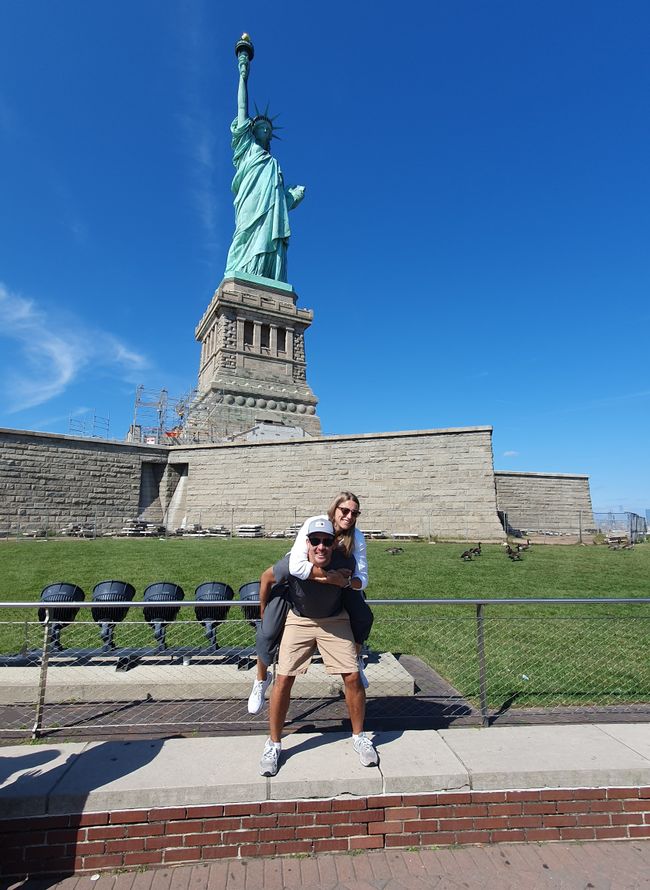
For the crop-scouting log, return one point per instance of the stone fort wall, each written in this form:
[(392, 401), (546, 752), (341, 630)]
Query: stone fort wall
[(51, 480), (559, 503), (431, 483)]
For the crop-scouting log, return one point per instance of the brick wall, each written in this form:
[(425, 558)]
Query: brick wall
[(166, 836), (543, 502)]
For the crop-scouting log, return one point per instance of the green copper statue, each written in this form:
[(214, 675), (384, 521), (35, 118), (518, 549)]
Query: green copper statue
[(262, 202)]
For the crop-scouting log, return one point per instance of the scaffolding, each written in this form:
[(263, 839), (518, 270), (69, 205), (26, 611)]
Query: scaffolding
[(161, 419), (89, 426)]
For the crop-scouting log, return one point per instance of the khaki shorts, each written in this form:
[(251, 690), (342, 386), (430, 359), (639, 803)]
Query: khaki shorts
[(333, 637)]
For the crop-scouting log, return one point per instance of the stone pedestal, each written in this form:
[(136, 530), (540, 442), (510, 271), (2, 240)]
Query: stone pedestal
[(253, 367)]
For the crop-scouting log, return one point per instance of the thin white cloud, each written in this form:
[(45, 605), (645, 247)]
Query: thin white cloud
[(623, 397), (589, 405), (511, 454), (52, 353), (47, 423), (197, 126), (79, 230), (71, 219)]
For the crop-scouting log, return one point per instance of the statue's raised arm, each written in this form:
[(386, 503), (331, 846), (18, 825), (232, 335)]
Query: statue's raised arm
[(262, 202), (244, 50)]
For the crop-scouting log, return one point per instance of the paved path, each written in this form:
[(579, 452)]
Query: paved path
[(619, 865), (96, 776)]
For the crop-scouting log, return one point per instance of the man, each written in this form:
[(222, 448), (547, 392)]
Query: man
[(316, 618)]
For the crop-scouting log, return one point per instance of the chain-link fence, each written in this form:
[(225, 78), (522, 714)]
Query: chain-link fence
[(630, 526), (556, 527), (429, 662)]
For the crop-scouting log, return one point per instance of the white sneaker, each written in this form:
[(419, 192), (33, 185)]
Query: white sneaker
[(366, 750), (256, 698), (270, 759), (365, 682)]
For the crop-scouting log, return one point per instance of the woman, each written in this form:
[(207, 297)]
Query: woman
[(343, 513)]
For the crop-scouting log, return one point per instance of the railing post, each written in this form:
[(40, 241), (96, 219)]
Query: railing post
[(42, 681), (482, 670)]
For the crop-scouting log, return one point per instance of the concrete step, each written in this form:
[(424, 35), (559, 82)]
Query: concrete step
[(156, 677)]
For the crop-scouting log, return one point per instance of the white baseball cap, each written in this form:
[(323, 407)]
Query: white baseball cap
[(320, 525)]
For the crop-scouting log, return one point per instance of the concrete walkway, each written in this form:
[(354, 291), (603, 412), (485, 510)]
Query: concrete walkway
[(116, 775), (602, 865), (97, 776)]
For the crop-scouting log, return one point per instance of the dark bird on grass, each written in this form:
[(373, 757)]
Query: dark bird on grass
[(394, 550), (476, 551), (514, 555), (466, 555), (525, 546)]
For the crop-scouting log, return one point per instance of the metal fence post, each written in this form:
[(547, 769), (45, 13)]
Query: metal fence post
[(42, 681), (482, 668), (580, 526)]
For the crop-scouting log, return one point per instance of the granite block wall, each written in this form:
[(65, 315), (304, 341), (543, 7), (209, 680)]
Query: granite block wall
[(431, 482), (53, 480), (424, 482), (556, 503)]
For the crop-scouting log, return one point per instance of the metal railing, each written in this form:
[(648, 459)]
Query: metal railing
[(630, 525), (433, 660)]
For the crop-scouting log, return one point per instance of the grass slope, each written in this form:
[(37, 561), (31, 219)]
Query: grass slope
[(542, 654)]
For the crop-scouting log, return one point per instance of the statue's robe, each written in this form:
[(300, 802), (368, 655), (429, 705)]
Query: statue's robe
[(259, 245)]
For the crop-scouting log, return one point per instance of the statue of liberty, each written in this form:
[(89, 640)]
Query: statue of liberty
[(262, 202)]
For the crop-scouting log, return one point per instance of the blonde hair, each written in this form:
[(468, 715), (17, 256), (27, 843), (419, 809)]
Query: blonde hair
[(344, 539)]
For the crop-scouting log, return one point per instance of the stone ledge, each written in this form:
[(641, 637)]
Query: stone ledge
[(199, 680), (98, 776)]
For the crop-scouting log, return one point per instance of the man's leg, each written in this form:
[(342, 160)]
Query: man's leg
[(279, 706), (296, 650), (337, 646), (280, 698), (355, 699)]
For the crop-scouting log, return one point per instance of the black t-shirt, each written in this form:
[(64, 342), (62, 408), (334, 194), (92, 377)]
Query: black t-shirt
[(313, 599)]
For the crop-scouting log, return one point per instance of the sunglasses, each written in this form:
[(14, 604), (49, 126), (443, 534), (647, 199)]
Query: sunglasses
[(315, 540), (346, 510)]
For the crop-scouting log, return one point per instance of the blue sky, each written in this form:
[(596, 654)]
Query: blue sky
[(474, 240)]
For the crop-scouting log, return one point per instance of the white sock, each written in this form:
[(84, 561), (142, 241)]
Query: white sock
[(275, 744)]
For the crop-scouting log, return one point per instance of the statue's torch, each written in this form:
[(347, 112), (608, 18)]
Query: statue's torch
[(245, 45)]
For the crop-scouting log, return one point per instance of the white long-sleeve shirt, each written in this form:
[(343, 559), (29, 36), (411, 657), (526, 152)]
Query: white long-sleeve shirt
[(299, 564)]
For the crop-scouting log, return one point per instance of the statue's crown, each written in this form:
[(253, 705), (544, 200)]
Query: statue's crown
[(265, 116)]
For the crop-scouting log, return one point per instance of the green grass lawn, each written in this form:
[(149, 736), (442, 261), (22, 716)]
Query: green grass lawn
[(423, 570), (545, 654)]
